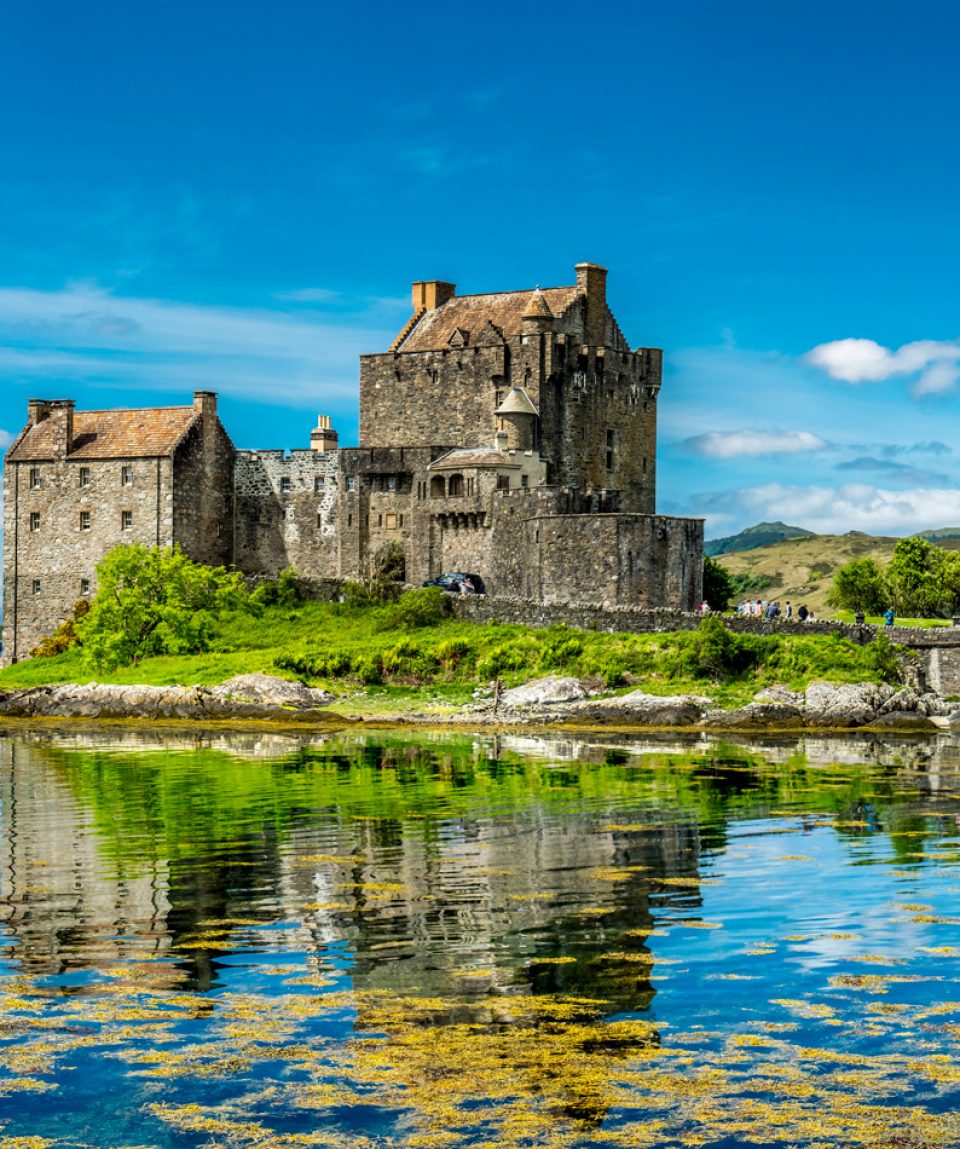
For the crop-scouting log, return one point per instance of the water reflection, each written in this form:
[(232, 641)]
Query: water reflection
[(280, 940)]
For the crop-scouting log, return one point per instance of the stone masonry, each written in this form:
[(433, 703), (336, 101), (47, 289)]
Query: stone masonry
[(510, 435)]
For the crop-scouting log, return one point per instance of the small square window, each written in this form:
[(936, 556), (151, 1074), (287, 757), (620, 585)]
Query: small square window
[(319, 484), (84, 586), (35, 478), (503, 482), (34, 520), (126, 520), (524, 480), (351, 482), (83, 478), (391, 522), (126, 475), (84, 520), (35, 587), (392, 482), (285, 485)]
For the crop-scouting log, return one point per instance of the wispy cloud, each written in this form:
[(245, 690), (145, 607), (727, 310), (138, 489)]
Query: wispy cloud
[(833, 510), (895, 472), (936, 363), (930, 447), (308, 295), (5, 440), (737, 444), (83, 334)]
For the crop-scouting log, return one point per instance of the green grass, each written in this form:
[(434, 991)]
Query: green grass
[(376, 664)]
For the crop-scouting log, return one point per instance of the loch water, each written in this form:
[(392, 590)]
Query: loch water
[(413, 941)]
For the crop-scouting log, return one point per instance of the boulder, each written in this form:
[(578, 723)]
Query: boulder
[(639, 709), (759, 714), (780, 696), (548, 691), (906, 699), (902, 720), (268, 690), (847, 704)]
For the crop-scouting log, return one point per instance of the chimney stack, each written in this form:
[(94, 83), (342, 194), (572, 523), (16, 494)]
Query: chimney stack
[(592, 282), (431, 294), (61, 412), (323, 437), (206, 403)]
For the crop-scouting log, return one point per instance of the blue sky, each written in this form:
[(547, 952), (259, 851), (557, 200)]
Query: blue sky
[(237, 196)]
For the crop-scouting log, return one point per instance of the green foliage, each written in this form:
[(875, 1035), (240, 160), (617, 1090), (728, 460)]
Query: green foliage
[(714, 652), (717, 584), (881, 658), (859, 585), (560, 649), (425, 606), (285, 590), (749, 585), (154, 601), (65, 636)]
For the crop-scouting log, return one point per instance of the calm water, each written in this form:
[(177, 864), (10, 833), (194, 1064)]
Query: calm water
[(412, 942)]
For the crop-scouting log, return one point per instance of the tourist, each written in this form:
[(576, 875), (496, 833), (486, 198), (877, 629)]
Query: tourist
[(788, 613), (773, 611), (889, 616), (802, 613), (467, 587)]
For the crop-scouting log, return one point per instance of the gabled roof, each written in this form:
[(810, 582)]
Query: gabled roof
[(118, 434), (504, 309), (537, 308)]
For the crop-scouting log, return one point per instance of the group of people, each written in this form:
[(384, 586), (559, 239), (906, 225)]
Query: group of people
[(758, 608)]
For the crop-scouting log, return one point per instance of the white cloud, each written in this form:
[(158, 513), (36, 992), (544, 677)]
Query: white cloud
[(836, 510), (309, 295), (5, 440), (735, 444), (85, 334), (865, 361)]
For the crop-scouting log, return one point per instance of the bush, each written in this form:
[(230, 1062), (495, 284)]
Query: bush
[(368, 670), (426, 606), (714, 652), (285, 590), (451, 653), (561, 649), (881, 657), (65, 635)]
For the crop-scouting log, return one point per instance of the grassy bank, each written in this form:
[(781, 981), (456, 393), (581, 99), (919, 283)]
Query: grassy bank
[(410, 655)]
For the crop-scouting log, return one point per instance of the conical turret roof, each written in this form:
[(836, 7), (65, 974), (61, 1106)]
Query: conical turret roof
[(537, 308), (517, 402)]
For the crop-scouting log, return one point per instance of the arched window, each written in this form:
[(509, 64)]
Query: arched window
[(437, 490), (455, 486)]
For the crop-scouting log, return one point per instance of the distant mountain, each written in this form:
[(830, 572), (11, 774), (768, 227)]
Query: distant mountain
[(761, 535), (940, 534)]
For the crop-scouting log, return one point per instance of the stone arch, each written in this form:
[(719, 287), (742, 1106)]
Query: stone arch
[(437, 487), (455, 486)]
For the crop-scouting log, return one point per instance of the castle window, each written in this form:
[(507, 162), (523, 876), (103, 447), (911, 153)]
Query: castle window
[(84, 520), (392, 482), (379, 520), (391, 522), (437, 487), (455, 488), (35, 478), (83, 478), (644, 464), (524, 481), (610, 445), (318, 484), (126, 475), (401, 520), (469, 486), (349, 520), (503, 482), (351, 482), (319, 519), (126, 520), (35, 586), (84, 586), (285, 485), (34, 520)]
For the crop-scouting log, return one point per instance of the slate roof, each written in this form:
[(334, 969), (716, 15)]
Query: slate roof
[(117, 434), (504, 309), (517, 402), (474, 457)]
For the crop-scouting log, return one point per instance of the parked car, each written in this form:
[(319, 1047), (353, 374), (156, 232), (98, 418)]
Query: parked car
[(451, 582)]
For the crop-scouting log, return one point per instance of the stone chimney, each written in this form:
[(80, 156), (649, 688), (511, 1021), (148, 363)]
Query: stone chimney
[(38, 410), (323, 437), (592, 282), (60, 413), (431, 294), (206, 403)]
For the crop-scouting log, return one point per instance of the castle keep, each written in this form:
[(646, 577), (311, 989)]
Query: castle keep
[(511, 435)]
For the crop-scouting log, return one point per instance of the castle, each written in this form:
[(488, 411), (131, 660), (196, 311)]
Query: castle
[(512, 435)]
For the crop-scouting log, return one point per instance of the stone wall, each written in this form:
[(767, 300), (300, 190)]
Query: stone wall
[(203, 463), (81, 505), (286, 512)]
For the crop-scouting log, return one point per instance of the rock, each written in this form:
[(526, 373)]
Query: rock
[(930, 704), (780, 696), (639, 709), (902, 720), (757, 714), (267, 690), (905, 700), (548, 691), (848, 704)]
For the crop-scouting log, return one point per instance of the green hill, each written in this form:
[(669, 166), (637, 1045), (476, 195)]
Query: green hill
[(761, 535)]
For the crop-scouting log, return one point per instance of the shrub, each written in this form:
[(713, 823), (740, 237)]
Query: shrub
[(560, 649), (881, 657), (285, 590), (65, 635), (426, 606), (451, 653), (368, 670)]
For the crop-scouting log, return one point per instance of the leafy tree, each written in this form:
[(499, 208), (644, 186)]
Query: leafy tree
[(718, 588), (155, 601), (859, 586), (916, 577)]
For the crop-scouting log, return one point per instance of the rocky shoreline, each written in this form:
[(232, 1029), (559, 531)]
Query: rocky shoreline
[(544, 702)]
